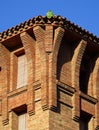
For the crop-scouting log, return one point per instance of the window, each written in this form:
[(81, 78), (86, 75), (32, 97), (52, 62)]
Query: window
[(84, 75), (19, 118), (84, 120), (22, 71), (22, 122), (83, 124)]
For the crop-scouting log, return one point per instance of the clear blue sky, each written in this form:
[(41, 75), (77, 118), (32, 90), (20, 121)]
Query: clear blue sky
[(85, 13)]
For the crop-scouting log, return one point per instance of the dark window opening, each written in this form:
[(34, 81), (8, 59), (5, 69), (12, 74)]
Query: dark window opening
[(84, 75), (20, 110), (84, 120)]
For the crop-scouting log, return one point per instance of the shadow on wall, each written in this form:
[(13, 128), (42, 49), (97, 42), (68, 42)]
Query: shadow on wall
[(65, 55), (86, 71)]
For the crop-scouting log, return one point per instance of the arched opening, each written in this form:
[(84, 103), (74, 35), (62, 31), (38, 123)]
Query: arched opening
[(64, 59), (63, 62), (86, 69), (84, 73)]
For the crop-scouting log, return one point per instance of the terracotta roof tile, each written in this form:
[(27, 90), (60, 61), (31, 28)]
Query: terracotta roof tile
[(56, 21)]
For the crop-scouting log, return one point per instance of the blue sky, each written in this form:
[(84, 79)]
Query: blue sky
[(85, 13)]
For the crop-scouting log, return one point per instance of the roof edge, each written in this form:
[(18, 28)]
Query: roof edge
[(54, 20)]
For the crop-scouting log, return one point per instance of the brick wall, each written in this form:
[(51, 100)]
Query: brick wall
[(52, 97)]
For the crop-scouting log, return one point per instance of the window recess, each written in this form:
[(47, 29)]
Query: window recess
[(21, 71)]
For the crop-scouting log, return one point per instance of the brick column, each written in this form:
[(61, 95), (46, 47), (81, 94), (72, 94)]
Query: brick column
[(96, 92), (5, 68), (29, 47), (76, 62)]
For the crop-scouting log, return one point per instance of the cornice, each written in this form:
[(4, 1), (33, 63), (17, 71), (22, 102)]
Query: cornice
[(55, 21)]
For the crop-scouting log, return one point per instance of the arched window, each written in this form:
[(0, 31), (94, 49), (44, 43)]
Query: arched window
[(84, 75)]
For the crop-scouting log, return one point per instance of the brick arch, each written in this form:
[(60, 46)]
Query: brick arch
[(59, 33), (75, 64), (92, 82)]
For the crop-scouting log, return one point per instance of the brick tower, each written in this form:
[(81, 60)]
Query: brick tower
[(49, 75)]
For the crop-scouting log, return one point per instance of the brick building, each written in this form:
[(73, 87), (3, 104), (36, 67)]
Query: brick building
[(49, 79)]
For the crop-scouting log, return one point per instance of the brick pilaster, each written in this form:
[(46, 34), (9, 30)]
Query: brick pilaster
[(49, 38), (13, 68), (59, 33), (76, 62), (96, 92), (40, 35), (0, 107), (0, 88), (29, 47), (5, 68)]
